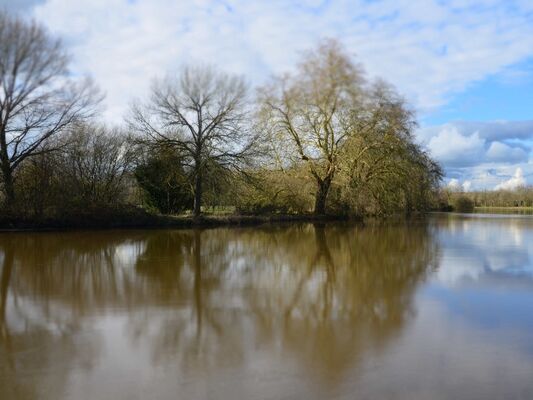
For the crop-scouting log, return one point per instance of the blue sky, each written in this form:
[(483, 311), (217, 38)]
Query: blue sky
[(465, 65), (504, 96)]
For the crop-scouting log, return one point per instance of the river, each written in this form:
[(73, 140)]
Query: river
[(440, 308)]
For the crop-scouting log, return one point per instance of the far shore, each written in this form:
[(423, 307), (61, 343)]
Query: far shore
[(509, 208), (151, 221)]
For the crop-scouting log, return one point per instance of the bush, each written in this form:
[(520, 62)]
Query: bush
[(164, 183), (463, 204), (271, 192)]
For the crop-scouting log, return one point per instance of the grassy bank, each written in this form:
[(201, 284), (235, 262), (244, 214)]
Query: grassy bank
[(134, 218), (503, 208)]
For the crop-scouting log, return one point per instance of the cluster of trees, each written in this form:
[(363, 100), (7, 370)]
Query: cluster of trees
[(518, 197), (322, 139)]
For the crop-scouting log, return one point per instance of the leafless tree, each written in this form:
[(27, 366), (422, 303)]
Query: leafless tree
[(38, 99), (202, 112), (310, 114), (96, 163)]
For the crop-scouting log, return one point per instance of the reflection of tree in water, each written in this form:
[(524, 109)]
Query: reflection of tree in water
[(188, 270), (48, 283), (338, 291), (321, 295), (80, 270), (326, 293)]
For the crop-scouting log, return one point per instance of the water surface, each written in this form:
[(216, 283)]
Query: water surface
[(439, 309)]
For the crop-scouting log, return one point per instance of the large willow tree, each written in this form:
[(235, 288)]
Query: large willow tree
[(310, 113), (344, 132), (382, 168)]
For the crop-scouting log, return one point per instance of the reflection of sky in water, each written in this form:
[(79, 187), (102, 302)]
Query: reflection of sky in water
[(127, 253), (482, 250), (485, 272)]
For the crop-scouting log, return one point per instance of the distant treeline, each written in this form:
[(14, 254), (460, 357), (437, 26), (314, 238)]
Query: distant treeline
[(519, 197), (322, 139)]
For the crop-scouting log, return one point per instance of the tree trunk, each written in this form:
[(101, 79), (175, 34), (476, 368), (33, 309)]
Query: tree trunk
[(9, 189), (197, 209), (321, 196)]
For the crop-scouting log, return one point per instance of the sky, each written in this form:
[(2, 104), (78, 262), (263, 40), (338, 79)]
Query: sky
[(465, 65)]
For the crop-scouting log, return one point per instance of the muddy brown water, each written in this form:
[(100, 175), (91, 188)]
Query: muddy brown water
[(437, 309)]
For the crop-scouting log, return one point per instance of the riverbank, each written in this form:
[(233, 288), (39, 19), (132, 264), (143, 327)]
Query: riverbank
[(503, 208), (140, 219)]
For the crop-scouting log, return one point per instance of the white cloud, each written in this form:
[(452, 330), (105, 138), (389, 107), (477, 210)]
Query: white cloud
[(481, 153), (488, 130), (489, 175), (501, 152), (517, 180), (454, 185), (452, 148), (429, 49)]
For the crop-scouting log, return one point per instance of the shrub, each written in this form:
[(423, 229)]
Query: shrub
[(164, 183), (463, 204)]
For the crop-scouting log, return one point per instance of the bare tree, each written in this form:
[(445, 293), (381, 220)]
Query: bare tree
[(37, 97), (202, 113), (96, 163), (310, 114)]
